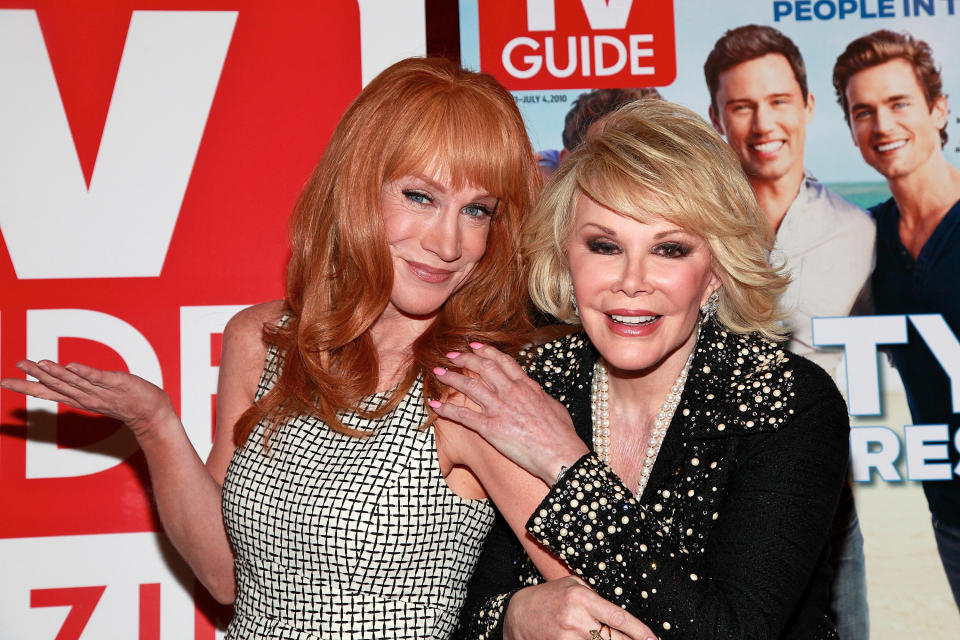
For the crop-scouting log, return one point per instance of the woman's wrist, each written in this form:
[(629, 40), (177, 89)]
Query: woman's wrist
[(557, 468), (158, 429)]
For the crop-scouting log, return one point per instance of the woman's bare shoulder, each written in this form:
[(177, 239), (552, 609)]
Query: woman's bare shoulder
[(244, 349), (242, 358), (249, 322)]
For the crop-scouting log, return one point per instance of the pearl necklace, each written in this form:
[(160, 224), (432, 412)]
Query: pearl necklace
[(600, 412)]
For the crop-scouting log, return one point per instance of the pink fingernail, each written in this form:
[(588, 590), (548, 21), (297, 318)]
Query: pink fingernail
[(453, 355), (434, 403), (439, 371), (476, 345)]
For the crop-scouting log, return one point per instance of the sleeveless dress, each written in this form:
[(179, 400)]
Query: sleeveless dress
[(343, 537)]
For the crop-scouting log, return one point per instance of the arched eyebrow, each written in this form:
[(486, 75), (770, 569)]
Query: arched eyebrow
[(657, 236), (898, 97), (603, 229)]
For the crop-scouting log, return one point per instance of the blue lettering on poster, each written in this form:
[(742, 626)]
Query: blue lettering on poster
[(825, 10)]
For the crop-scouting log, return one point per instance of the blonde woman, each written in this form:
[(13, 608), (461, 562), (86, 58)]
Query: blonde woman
[(695, 464)]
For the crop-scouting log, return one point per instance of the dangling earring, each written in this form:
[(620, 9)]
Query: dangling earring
[(573, 302), (709, 309)]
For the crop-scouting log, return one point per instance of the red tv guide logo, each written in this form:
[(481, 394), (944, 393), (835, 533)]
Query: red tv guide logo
[(575, 44)]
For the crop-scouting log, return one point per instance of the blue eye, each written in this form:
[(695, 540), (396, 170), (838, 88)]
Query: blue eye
[(672, 250), (477, 210), (417, 196)]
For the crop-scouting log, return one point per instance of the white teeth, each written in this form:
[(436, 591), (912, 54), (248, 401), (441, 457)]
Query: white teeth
[(890, 146), (767, 147), (633, 319)]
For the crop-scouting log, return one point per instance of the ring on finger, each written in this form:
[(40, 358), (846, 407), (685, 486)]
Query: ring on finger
[(597, 634)]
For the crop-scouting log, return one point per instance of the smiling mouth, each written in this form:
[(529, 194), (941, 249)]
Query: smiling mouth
[(890, 146), (634, 320), (429, 274), (767, 147)]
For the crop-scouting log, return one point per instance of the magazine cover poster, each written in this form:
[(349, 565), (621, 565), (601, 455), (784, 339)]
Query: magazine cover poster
[(550, 52)]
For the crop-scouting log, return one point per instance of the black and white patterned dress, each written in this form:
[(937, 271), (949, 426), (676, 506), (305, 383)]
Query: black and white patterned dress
[(344, 537)]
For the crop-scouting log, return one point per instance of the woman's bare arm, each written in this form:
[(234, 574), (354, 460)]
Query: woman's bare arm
[(532, 433), (186, 491), (241, 363), (515, 492)]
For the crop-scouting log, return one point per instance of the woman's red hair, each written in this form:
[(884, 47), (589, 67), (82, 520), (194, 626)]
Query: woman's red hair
[(418, 114)]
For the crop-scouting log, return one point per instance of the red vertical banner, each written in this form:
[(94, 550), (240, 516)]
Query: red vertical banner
[(152, 153)]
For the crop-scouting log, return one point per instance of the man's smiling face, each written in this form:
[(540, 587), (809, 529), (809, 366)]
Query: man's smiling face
[(892, 124), (762, 112)]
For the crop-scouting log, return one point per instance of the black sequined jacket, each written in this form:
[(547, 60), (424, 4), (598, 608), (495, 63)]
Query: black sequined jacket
[(729, 539)]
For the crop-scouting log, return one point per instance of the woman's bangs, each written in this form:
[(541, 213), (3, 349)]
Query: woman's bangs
[(467, 145), (611, 186), (667, 187)]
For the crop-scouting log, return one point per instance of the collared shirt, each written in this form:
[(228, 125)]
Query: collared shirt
[(928, 284), (826, 245)]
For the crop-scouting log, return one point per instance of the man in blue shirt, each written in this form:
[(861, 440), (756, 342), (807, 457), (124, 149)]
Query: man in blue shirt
[(891, 94)]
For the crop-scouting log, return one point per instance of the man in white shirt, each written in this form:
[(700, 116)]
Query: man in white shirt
[(759, 101)]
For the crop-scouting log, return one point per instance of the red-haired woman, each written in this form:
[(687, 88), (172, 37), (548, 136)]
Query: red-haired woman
[(344, 510)]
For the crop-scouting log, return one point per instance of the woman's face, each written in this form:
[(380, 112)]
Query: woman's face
[(639, 286), (437, 235)]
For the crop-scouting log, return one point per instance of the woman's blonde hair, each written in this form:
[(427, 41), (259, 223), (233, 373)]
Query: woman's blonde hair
[(415, 116), (653, 158)]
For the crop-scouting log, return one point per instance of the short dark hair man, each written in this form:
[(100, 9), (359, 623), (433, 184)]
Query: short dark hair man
[(760, 101), (587, 109), (892, 98), (590, 107)]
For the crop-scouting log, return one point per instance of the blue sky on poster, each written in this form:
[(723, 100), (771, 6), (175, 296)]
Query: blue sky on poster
[(830, 153)]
